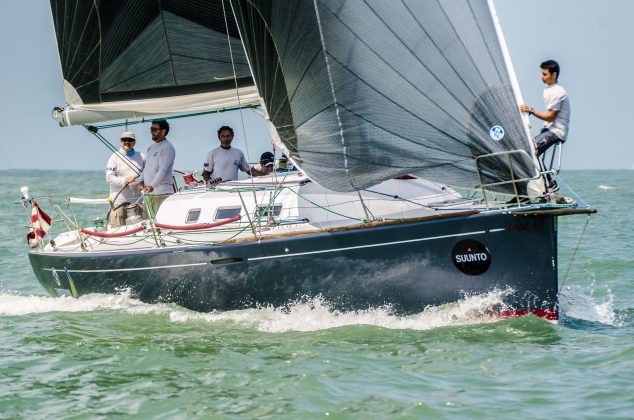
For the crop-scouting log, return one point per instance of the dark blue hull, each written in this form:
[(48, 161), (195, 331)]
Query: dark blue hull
[(407, 265)]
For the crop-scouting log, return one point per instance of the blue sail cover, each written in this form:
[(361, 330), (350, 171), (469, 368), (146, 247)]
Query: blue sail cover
[(363, 91)]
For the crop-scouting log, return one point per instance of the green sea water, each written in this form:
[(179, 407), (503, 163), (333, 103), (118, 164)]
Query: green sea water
[(109, 356)]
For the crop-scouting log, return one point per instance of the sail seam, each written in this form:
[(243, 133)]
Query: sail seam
[(167, 42), (332, 88), (81, 37), (423, 94)]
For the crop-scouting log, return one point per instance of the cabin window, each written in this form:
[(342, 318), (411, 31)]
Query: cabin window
[(192, 216), (268, 211), (227, 213)]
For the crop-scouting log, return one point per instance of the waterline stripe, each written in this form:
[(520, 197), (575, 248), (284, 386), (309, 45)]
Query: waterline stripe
[(117, 270), (375, 245)]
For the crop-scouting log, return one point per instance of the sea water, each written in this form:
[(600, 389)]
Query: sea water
[(112, 355)]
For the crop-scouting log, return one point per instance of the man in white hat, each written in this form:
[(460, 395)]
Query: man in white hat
[(124, 167)]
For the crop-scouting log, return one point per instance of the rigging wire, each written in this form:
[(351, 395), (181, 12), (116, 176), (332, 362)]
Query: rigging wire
[(573, 256), (235, 80), (106, 143)]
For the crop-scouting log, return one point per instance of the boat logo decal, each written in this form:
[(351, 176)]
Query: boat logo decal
[(471, 257), (496, 132)]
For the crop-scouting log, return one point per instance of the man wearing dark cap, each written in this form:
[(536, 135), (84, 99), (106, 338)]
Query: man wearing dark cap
[(265, 167)]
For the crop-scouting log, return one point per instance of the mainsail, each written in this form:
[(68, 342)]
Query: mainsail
[(130, 58), (361, 91)]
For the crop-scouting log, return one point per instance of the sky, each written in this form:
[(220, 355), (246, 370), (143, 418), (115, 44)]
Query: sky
[(591, 39)]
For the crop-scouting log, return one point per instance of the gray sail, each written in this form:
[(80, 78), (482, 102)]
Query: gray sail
[(131, 50), (362, 91)]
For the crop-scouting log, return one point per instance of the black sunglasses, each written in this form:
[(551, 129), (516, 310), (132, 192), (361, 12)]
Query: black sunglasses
[(127, 140), (153, 129)]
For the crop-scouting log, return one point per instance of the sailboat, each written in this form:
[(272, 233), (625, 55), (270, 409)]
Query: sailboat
[(416, 183)]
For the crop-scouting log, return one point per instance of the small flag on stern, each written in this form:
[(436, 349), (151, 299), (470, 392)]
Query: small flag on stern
[(40, 224)]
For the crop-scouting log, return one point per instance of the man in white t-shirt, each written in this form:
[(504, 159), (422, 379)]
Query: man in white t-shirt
[(224, 161), (157, 179), (124, 167), (557, 115)]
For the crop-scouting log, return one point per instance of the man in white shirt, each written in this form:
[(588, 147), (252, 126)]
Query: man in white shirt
[(224, 161), (156, 179), (124, 167), (557, 115)]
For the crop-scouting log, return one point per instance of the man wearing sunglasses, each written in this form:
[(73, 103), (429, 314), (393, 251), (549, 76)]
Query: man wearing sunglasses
[(156, 179), (124, 167)]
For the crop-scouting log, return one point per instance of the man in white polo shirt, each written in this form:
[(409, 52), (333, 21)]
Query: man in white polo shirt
[(224, 161)]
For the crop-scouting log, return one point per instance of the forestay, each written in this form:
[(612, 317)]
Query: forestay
[(362, 91), (129, 58)]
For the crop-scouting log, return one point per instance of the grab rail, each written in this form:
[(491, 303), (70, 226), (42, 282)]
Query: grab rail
[(513, 180)]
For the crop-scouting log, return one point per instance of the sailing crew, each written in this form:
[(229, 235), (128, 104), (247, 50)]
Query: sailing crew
[(265, 167), (557, 115), (224, 161), (156, 179), (124, 167)]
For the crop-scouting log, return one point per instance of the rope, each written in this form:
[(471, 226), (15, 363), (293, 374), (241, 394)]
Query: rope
[(235, 80), (573, 256), (112, 235), (125, 160), (324, 208), (577, 196), (198, 226)]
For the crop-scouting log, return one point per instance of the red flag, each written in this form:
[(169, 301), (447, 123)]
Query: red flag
[(40, 224)]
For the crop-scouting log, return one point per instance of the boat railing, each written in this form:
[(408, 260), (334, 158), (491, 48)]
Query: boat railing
[(551, 159), (513, 180)]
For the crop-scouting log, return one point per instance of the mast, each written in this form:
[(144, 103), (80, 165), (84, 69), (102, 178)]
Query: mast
[(536, 188)]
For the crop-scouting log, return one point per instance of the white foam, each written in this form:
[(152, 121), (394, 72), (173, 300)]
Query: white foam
[(307, 315), (18, 305), (577, 303), (606, 187), (315, 315)]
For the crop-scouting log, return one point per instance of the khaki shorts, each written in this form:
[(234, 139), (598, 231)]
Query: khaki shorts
[(155, 202), (117, 217)]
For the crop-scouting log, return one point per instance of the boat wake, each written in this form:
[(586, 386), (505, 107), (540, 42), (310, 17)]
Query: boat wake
[(316, 314), (18, 305), (308, 315)]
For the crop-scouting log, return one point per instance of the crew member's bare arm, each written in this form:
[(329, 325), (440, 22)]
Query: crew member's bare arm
[(547, 116)]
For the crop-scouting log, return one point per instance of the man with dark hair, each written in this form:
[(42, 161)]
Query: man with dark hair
[(557, 115), (156, 179), (224, 161)]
